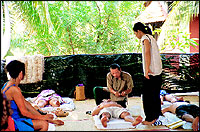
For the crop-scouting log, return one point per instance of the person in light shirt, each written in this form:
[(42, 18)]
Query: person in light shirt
[(152, 69)]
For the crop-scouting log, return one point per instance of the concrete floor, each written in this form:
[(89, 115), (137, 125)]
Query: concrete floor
[(78, 120)]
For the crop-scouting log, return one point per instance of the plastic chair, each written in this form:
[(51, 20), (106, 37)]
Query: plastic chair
[(100, 93)]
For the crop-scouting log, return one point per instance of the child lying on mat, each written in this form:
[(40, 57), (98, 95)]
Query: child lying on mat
[(164, 96), (48, 97), (109, 109)]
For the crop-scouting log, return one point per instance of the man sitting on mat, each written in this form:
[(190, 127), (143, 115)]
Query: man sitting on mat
[(109, 109), (187, 112)]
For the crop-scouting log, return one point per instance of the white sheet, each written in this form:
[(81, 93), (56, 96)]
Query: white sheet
[(113, 124), (51, 127)]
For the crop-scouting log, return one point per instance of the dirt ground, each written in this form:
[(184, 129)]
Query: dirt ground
[(78, 120)]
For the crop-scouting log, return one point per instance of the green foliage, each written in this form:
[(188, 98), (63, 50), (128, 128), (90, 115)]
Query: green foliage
[(181, 40), (175, 29), (75, 27)]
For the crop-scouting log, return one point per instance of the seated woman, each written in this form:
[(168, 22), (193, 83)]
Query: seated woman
[(48, 97), (164, 96), (25, 116)]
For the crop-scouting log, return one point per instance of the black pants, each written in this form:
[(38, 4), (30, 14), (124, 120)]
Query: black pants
[(151, 97), (190, 109), (122, 103)]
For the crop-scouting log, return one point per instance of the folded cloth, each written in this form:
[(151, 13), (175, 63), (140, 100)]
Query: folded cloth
[(113, 124), (175, 122)]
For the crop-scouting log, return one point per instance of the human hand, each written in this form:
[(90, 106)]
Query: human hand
[(123, 93), (146, 74), (48, 117), (117, 94), (57, 122)]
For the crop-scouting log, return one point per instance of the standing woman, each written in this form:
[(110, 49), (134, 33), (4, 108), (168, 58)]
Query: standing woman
[(152, 68), (26, 118)]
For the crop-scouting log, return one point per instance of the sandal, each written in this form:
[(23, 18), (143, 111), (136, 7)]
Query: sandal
[(157, 123)]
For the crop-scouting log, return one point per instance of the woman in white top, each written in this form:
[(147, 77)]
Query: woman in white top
[(152, 68)]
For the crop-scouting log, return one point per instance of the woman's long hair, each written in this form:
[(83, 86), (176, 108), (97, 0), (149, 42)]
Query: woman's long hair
[(5, 112), (140, 26)]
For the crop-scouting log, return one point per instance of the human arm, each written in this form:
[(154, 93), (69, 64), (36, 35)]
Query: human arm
[(129, 84), (161, 99), (126, 92), (25, 108), (147, 57), (31, 109), (97, 110), (165, 110), (109, 85), (116, 93)]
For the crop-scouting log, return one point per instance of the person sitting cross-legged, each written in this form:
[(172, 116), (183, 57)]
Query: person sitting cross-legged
[(109, 109)]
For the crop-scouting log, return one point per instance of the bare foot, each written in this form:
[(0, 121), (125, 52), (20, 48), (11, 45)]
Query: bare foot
[(137, 121), (57, 122), (148, 123), (104, 121), (180, 98), (195, 123)]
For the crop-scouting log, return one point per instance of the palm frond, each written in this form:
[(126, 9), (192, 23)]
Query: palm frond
[(178, 20)]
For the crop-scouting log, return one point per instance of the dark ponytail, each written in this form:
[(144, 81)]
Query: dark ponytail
[(140, 26), (14, 68)]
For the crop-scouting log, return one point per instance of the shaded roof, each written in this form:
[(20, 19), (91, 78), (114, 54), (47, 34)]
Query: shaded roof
[(153, 13)]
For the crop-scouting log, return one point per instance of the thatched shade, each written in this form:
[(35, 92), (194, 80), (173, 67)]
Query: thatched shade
[(153, 13)]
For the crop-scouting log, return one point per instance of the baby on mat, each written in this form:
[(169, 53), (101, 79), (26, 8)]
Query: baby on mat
[(109, 109), (49, 98), (164, 96)]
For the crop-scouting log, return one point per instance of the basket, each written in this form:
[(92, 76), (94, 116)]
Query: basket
[(80, 93)]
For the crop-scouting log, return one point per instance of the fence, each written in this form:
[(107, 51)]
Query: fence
[(63, 73)]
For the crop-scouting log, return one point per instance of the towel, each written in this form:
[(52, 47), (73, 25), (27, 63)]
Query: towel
[(175, 122), (113, 124), (34, 67)]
